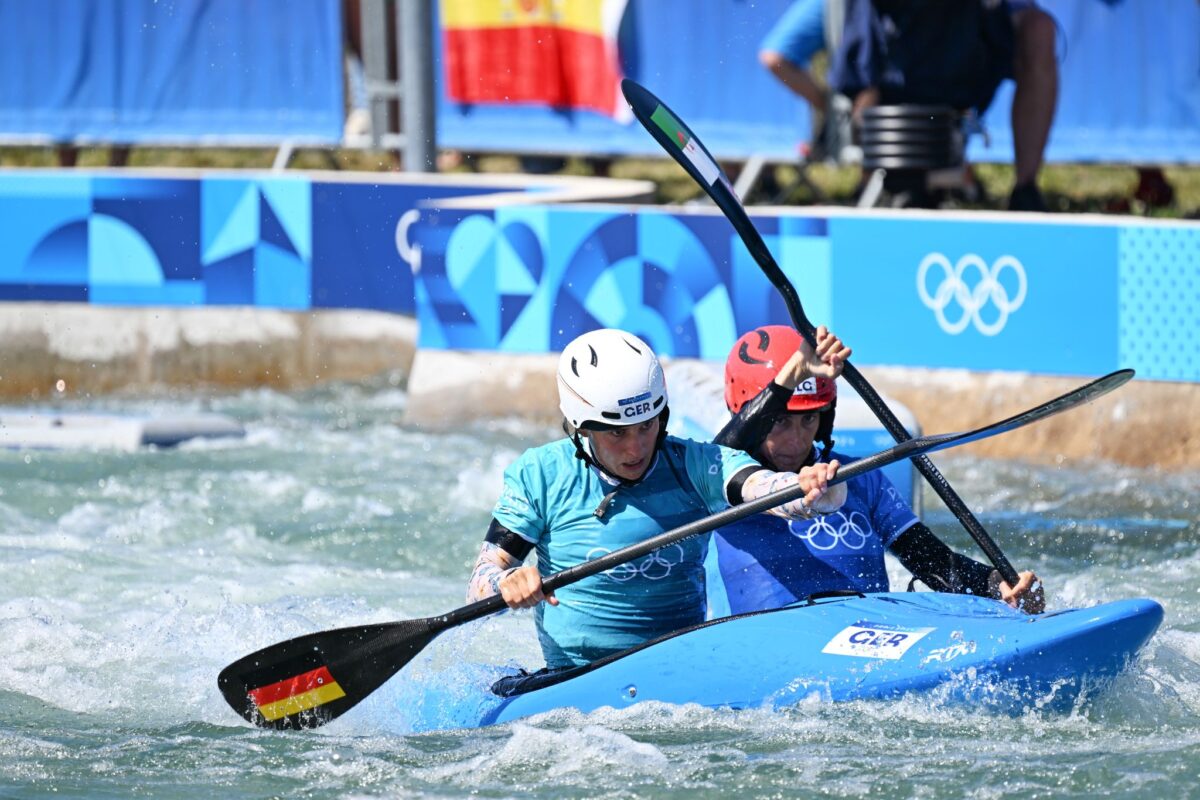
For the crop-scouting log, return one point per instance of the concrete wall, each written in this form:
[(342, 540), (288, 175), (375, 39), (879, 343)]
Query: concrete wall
[(1144, 423), (95, 349), (103, 349)]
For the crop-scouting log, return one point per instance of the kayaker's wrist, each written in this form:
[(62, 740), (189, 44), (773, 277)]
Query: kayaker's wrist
[(500, 576), (794, 372), (994, 581)]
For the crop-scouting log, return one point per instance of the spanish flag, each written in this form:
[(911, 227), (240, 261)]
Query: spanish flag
[(560, 53)]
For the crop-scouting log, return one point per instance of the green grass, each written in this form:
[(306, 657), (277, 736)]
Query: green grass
[(1074, 188), (1068, 188)]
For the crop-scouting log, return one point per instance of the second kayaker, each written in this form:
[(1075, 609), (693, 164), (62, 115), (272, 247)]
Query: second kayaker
[(783, 399)]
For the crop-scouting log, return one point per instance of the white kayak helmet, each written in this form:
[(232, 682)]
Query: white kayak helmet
[(609, 378)]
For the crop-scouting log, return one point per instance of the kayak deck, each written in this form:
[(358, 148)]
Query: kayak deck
[(967, 649)]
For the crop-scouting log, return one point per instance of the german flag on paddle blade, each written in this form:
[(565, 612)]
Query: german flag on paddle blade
[(307, 681), (297, 694)]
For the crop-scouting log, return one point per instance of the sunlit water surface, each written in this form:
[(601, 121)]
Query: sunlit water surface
[(130, 579)]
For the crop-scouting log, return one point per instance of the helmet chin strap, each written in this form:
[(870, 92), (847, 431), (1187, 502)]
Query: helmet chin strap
[(824, 433), (583, 454)]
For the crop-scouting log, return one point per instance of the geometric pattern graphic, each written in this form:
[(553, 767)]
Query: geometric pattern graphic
[(256, 242), (530, 279), (480, 276), (1159, 287), (650, 275), (98, 240), (277, 242), (156, 241)]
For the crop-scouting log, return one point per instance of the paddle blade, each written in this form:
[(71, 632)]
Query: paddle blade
[(681, 144), (311, 680), (673, 135)]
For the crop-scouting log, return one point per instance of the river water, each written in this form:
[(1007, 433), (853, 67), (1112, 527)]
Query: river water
[(128, 580)]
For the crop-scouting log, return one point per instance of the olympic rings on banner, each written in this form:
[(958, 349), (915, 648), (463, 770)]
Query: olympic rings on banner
[(988, 291)]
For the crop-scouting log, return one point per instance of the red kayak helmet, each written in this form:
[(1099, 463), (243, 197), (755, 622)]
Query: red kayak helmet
[(756, 359)]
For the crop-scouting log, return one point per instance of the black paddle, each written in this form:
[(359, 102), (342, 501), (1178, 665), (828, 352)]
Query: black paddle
[(308, 681), (682, 145)]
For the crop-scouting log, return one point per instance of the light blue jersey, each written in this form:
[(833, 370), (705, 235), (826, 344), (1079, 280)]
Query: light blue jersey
[(768, 562), (550, 498)]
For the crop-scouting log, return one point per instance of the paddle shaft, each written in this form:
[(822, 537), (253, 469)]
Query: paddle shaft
[(595, 566), (574, 574), (645, 106)]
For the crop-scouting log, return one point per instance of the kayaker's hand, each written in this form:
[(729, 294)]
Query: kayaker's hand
[(818, 497), (1029, 595), (815, 480), (825, 361), (522, 588)]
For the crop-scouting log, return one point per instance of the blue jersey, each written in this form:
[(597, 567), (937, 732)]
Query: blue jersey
[(768, 562), (550, 498)]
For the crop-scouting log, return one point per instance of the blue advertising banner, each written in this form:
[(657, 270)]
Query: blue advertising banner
[(1159, 286), (979, 295), (1126, 74), (935, 291), (363, 243), (530, 279), (975, 292), (133, 71), (277, 242), (1127, 87)]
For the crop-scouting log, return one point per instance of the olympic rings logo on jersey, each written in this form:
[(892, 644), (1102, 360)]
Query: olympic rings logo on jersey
[(989, 291), (654, 567), (826, 532)]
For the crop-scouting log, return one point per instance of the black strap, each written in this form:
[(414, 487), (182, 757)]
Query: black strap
[(738, 481), (812, 599), (512, 543)]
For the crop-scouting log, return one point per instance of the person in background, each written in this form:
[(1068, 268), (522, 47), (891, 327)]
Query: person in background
[(805, 29), (614, 480), (1035, 72), (783, 396), (956, 53)]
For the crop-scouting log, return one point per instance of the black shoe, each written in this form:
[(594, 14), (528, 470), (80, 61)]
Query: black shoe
[(1026, 197)]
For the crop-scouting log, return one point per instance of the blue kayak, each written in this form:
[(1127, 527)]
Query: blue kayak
[(959, 647)]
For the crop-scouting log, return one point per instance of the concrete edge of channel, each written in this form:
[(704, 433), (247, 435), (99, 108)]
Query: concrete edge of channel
[(53, 350)]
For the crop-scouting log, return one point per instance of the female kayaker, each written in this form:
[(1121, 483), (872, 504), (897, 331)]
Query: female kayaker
[(783, 398), (615, 480)]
